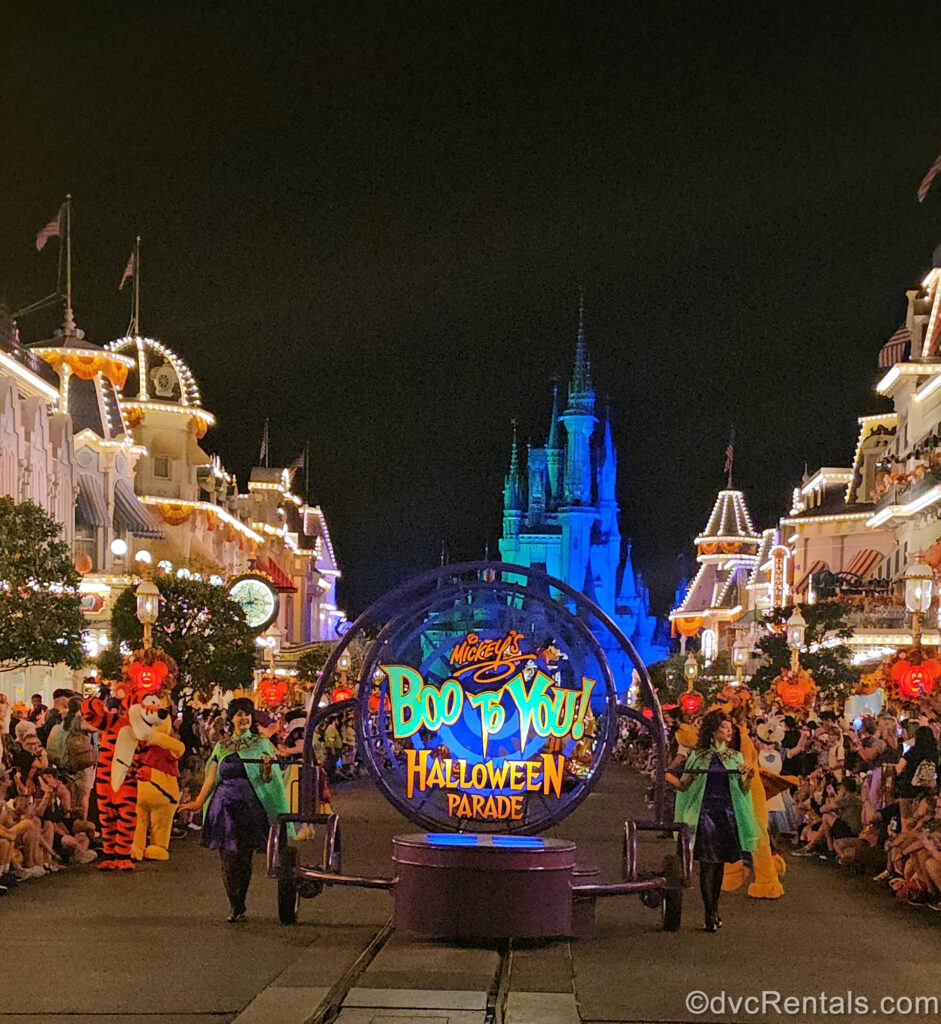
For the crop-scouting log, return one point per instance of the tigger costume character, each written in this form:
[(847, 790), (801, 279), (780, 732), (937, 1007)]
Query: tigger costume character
[(115, 774)]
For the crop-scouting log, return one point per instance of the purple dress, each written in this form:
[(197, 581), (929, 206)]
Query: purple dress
[(717, 831), (235, 818)]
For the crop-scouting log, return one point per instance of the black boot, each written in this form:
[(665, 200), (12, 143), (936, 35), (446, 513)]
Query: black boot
[(710, 884)]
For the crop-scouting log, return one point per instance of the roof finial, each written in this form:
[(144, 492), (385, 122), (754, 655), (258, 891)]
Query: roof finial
[(581, 378)]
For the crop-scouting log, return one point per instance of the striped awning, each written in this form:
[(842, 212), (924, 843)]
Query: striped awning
[(801, 585), (91, 507), (862, 562), (130, 514), (282, 582), (894, 350)]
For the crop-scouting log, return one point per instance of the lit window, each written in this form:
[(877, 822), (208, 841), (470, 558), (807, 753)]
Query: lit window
[(709, 645)]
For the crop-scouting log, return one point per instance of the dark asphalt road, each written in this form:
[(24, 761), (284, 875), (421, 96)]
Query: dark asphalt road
[(85, 946)]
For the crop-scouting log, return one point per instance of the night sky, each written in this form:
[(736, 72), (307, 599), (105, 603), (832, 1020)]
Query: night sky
[(370, 224)]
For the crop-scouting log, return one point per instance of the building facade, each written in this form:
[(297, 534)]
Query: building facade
[(107, 440)]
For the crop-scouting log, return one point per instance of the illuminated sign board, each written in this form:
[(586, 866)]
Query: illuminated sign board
[(492, 709)]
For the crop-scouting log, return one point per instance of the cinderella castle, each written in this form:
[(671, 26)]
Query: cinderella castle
[(562, 515)]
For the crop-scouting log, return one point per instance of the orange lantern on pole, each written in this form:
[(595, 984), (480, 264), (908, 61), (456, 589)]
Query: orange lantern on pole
[(915, 680), (272, 689), (795, 688), (691, 701)]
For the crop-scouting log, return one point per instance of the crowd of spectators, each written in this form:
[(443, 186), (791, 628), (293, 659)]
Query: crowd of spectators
[(48, 814), (863, 794), (46, 775)]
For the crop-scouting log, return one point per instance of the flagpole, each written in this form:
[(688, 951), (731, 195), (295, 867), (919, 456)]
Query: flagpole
[(135, 319), (307, 471), (730, 453), (69, 320)]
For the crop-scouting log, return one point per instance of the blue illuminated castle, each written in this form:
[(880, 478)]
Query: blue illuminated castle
[(563, 518)]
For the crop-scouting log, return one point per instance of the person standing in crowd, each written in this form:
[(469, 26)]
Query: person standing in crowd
[(713, 800), (243, 800), (917, 772), (333, 741), (37, 709)]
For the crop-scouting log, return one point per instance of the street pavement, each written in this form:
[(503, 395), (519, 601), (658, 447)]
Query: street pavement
[(153, 946)]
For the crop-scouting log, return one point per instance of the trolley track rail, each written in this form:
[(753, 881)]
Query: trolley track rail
[(332, 1003)]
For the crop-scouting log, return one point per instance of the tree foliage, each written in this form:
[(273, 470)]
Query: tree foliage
[(829, 660), (311, 663), (40, 613), (669, 679), (199, 626)]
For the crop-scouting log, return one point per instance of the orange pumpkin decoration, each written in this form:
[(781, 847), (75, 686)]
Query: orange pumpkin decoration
[(915, 681), (341, 693), (148, 677), (272, 690), (691, 701), (795, 689)]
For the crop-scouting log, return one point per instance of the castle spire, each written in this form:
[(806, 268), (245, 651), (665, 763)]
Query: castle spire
[(581, 395), (513, 485), (608, 466), (553, 441)]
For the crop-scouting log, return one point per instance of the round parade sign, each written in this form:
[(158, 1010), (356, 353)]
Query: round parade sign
[(487, 701)]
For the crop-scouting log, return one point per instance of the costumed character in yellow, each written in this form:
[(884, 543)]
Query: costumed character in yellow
[(158, 778), (766, 884), (713, 802)]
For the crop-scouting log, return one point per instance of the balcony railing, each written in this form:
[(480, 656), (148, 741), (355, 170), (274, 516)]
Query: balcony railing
[(911, 490), (879, 616)]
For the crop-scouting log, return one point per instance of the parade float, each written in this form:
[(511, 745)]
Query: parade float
[(489, 714)]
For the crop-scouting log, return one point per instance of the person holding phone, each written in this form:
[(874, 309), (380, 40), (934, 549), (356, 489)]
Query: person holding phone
[(244, 797), (713, 800)]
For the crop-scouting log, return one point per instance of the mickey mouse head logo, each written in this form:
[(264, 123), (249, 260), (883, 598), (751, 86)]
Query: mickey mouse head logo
[(916, 680), (147, 677)]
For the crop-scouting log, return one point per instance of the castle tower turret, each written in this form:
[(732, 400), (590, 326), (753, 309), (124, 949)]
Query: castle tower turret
[(554, 454), (513, 492), (579, 419)]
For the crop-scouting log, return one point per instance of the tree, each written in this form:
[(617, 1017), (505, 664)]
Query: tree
[(199, 626), (829, 663), (40, 612), (311, 663), (669, 678)]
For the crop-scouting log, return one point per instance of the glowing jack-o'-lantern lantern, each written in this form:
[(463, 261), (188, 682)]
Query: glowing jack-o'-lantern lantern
[(691, 701), (795, 689), (376, 702), (147, 677), (914, 681), (272, 690), (647, 712)]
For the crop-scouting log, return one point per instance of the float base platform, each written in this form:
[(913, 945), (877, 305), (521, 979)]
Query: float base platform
[(483, 887)]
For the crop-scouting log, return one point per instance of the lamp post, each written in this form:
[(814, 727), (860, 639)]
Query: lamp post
[(740, 654), (919, 583), (343, 666), (148, 604), (691, 701), (796, 628)]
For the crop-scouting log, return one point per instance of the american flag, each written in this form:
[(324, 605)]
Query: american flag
[(129, 270), (928, 179), (298, 463), (729, 453), (51, 230), (263, 453)]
